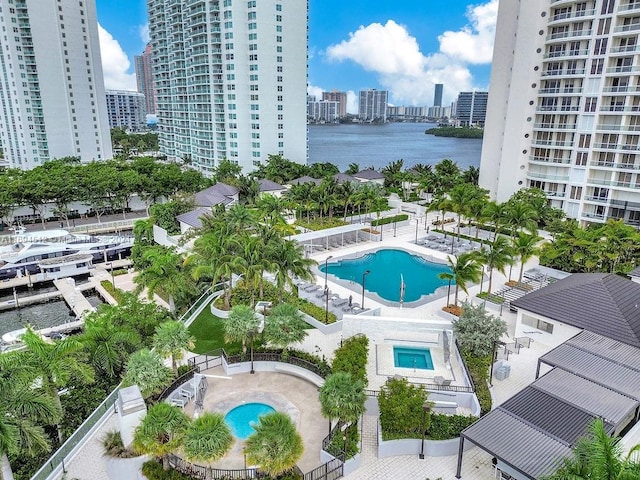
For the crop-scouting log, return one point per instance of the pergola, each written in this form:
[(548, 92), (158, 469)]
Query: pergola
[(330, 237)]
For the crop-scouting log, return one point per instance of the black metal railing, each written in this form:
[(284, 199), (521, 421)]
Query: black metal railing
[(176, 383), (332, 470), (200, 471), (276, 357), (206, 361)]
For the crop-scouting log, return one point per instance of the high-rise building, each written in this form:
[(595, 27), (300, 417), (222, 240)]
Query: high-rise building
[(340, 97), (437, 95), (372, 105), (564, 107), (51, 87), (231, 79), (323, 111), (144, 78), (126, 110), (471, 108)]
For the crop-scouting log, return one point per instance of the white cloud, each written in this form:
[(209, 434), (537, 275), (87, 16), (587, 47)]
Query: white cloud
[(315, 91), (143, 31), (352, 102), (392, 53), (115, 64), (473, 43)]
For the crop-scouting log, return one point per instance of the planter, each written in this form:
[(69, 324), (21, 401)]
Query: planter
[(119, 468)]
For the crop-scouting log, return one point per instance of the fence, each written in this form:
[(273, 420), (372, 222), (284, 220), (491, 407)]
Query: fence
[(77, 439), (176, 383), (114, 226), (210, 360), (200, 471), (331, 470), (276, 357)]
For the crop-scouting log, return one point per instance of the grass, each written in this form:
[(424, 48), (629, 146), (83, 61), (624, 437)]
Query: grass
[(208, 331)]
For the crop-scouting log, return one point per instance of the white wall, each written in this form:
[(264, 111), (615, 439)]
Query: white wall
[(561, 331)]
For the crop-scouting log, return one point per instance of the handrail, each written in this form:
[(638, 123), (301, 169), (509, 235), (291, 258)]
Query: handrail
[(276, 357), (56, 462), (175, 384)]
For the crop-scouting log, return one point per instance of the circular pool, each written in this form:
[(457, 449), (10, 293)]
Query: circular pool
[(242, 418)]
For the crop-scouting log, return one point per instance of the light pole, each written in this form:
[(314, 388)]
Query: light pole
[(364, 274), (326, 305), (110, 265), (425, 408), (325, 271)]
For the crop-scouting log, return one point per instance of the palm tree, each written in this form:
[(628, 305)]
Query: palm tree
[(162, 275), (598, 456), (449, 277), (342, 397), (208, 438), (56, 364), (460, 198), (352, 169), (521, 215), (525, 246), (107, 344), (146, 369), (275, 445), (285, 326), (348, 192), (171, 339), (271, 208), (494, 212), (288, 262), (239, 218), (24, 409), (241, 325), (161, 432), (465, 268), (497, 256)]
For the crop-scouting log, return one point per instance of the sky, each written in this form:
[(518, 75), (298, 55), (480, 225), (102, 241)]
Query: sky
[(403, 46)]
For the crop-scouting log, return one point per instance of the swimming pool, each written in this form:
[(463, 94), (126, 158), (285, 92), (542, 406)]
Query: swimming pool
[(410, 357), (242, 418), (388, 267)]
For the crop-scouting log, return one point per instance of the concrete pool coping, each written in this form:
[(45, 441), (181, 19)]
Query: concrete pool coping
[(356, 288)]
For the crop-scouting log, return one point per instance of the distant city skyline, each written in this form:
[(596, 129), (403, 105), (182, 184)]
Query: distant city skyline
[(448, 42)]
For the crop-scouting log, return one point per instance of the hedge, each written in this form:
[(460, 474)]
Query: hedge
[(386, 220), (445, 427), (352, 356), (479, 370), (315, 311), (153, 471)]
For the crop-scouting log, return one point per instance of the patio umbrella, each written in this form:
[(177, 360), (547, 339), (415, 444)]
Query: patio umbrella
[(402, 288)]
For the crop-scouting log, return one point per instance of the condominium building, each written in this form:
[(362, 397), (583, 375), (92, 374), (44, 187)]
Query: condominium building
[(564, 106), (372, 105), (231, 79), (336, 96), (144, 78), (471, 108), (437, 95), (323, 111), (126, 110), (51, 87)]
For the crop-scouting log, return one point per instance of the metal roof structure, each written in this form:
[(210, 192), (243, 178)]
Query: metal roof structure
[(193, 218), (267, 185), (611, 406), (593, 377), (524, 447), (603, 303)]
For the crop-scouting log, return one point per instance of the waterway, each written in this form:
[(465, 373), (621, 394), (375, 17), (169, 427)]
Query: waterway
[(378, 145)]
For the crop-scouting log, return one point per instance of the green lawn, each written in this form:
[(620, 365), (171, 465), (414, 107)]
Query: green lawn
[(209, 333)]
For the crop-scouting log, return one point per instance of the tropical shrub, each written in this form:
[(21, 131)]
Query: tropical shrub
[(315, 311), (347, 442), (477, 330), (401, 413), (321, 223), (153, 470), (444, 427), (479, 370), (351, 357), (113, 446)]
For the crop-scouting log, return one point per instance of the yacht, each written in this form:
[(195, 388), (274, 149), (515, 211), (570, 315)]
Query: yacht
[(57, 253)]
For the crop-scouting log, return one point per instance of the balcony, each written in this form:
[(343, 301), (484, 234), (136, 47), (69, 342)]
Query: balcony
[(592, 198), (597, 216), (558, 108), (560, 178), (564, 91), (625, 49), (566, 53), (570, 34), (559, 126), (627, 28), (624, 69), (621, 89), (552, 143), (620, 108), (572, 15), (618, 128), (629, 7), (555, 194), (621, 166), (612, 183), (562, 161), (567, 72)]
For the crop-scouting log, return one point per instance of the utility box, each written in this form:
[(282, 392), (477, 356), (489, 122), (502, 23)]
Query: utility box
[(503, 371), (131, 411)]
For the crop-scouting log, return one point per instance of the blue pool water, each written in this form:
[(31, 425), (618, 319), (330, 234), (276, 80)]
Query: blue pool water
[(407, 357), (242, 418), (387, 268)]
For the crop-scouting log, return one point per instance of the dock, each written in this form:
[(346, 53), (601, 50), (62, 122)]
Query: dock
[(72, 294)]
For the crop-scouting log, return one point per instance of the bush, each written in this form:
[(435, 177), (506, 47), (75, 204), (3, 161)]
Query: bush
[(477, 330), (444, 427), (479, 370), (350, 445), (401, 413), (113, 446), (385, 221), (321, 223), (315, 311), (153, 471), (116, 293), (321, 363), (351, 357), (241, 294)]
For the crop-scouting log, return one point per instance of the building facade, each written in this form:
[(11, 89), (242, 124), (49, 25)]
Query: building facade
[(144, 78), (340, 97), (564, 107), (51, 87), (372, 105), (231, 79), (126, 110), (471, 108), (437, 95), (323, 111)]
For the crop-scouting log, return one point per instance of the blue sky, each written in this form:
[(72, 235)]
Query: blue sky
[(404, 46)]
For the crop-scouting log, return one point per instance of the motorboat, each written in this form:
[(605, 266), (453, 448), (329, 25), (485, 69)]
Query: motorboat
[(57, 252)]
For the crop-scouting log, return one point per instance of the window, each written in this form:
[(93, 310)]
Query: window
[(576, 193), (584, 141), (590, 104), (581, 158), (278, 7), (596, 66), (537, 323), (253, 36), (251, 4), (251, 15)]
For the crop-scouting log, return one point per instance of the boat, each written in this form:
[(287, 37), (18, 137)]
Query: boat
[(57, 253)]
